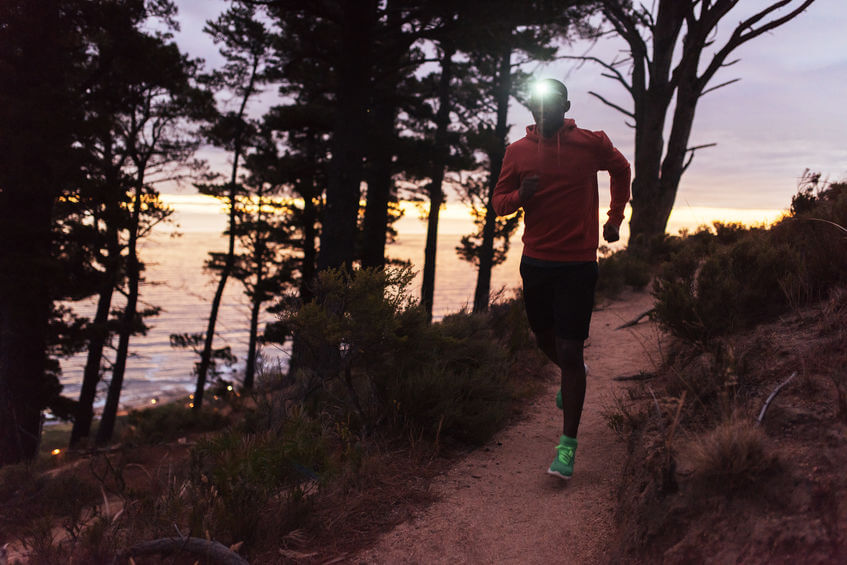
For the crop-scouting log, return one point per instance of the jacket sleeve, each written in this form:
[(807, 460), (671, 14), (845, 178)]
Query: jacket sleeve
[(506, 199), (620, 177)]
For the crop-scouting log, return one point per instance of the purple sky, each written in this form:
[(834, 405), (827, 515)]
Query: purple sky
[(786, 114)]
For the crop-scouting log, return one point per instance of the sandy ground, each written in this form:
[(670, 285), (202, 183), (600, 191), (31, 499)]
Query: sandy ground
[(498, 505)]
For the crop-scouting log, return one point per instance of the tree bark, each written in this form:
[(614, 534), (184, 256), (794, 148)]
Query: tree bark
[(436, 191), (110, 411), (345, 168), (495, 157), (380, 184), (99, 336), (36, 123)]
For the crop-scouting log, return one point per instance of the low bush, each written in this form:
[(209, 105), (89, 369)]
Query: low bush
[(373, 361), (621, 269), (238, 481), (719, 282), (730, 457), (169, 422)]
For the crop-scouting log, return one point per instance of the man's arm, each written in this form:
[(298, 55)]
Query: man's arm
[(507, 199), (620, 177)]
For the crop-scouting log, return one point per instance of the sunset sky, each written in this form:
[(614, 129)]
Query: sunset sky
[(785, 115)]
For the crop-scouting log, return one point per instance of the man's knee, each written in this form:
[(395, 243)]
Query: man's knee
[(569, 352), (546, 340)]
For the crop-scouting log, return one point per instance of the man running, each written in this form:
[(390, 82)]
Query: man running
[(552, 174)]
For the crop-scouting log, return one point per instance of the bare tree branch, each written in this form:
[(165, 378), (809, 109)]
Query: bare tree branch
[(611, 67), (693, 150), (745, 31), (612, 104), (721, 85), (626, 27)]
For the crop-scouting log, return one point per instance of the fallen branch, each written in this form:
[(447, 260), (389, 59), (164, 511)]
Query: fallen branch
[(214, 551), (636, 320), (773, 395), (642, 376)]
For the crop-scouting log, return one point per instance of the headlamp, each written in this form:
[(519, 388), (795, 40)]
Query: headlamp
[(547, 89), (541, 89)]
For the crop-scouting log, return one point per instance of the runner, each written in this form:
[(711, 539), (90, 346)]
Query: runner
[(552, 174)]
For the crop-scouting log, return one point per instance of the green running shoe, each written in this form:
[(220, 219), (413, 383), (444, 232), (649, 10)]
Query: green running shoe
[(559, 394), (562, 465)]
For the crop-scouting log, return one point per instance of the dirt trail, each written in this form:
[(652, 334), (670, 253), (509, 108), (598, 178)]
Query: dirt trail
[(497, 505)]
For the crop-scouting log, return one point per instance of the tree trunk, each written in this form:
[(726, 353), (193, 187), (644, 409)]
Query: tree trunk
[(345, 169), (127, 323), (99, 336), (24, 311), (36, 121), (310, 219), (495, 157), (379, 185), (238, 146), (436, 192), (656, 180), (250, 369)]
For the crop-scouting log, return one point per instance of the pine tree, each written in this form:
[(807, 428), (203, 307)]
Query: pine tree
[(245, 45), (164, 99)]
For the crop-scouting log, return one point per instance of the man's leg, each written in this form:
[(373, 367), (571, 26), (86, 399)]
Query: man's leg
[(546, 340), (570, 356)]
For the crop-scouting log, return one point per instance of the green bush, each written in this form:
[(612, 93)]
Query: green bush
[(721, 282), (245, 485), (620, 269), (169, 422), (372, 360), (457, 387)]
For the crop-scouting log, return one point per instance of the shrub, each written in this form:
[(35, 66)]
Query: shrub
[(715, 284), (372, 359), (168, 422), (730, 457), (620, 269), (237, 480)]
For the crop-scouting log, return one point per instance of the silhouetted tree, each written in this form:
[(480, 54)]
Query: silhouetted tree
[(669, 64), (245, 45), (161, 104), (102, 205), (266, 232)]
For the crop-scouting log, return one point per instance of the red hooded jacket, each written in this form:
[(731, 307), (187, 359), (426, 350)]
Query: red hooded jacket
[(562, 217)]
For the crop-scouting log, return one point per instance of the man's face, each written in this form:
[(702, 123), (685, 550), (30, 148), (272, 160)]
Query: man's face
[(547, 104)]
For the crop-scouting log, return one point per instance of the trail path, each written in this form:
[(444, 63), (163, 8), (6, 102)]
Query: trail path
[(497, 505)]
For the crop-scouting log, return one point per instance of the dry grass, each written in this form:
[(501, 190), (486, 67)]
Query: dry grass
[(730, 457)]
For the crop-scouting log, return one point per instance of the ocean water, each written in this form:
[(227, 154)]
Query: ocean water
[(176, 282)]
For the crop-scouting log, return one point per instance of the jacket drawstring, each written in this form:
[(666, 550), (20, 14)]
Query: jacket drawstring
[(558, 149)]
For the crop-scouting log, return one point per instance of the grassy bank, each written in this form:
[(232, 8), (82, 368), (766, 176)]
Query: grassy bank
[(738, 445)]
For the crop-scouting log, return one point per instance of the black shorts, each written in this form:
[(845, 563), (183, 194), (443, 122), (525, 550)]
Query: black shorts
[(559, 296)]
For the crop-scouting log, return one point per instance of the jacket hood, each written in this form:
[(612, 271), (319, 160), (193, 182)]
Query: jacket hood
[(533, 135)]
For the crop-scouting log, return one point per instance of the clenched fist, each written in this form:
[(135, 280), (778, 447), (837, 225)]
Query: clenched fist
[(611, 233), (529, 186)]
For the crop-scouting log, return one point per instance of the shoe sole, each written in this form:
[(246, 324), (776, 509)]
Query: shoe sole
[(558, 474)]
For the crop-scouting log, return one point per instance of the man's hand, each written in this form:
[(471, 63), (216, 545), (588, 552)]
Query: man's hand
[(611, 233), (529, 186)]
